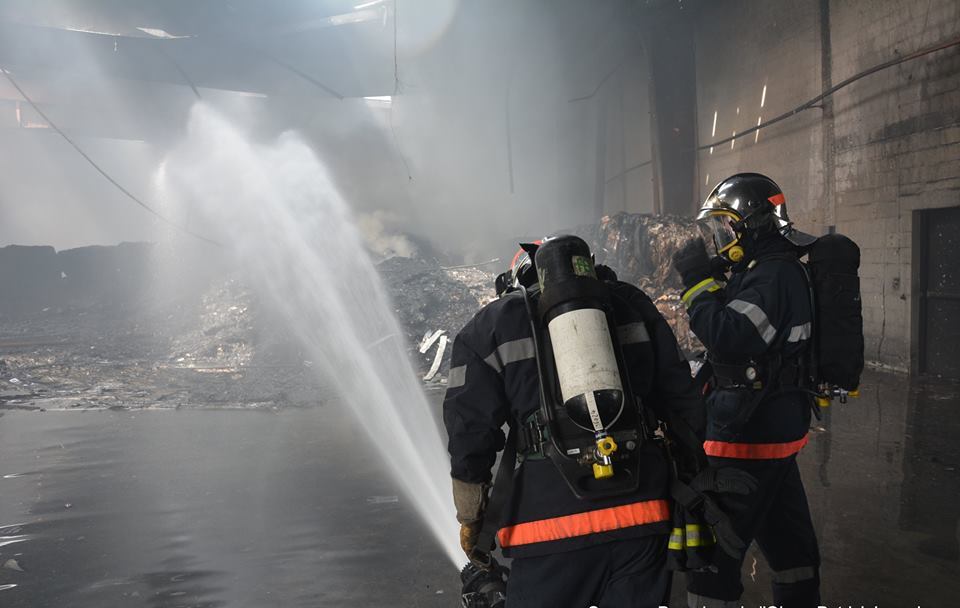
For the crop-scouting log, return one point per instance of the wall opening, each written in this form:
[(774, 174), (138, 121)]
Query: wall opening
[(936, 310)]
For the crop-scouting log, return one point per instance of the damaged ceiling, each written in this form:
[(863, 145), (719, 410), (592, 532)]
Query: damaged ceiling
[(238, 46), (87, 62)]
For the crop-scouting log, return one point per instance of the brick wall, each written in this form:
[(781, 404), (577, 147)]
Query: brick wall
[(879, 149)]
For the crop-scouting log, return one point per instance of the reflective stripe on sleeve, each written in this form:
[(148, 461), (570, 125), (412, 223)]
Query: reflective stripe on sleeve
[(799, 332), (676, 540), (511, 352), (581, 524), (756, 315), (633, 333), (704, 286), (754, 451), (457, 376), (795, 575), (699, 536)]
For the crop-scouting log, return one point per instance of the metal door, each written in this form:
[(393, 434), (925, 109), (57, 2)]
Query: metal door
[(936, 237)]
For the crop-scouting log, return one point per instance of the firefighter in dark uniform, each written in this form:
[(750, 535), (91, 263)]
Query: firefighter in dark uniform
[(757, 330), (566, 551)]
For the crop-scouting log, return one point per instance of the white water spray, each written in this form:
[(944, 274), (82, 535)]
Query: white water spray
[(275, 207)]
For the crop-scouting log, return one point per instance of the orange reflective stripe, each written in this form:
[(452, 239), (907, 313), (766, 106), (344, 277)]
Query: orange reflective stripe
[(580, 524), (777, 199), (753, 451)]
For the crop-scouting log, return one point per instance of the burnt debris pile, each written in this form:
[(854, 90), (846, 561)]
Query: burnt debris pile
[(640, 248), (432, 303), (112, 327)]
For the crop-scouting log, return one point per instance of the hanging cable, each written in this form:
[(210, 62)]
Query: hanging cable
[(290, 68), (397, 89), (812, 102), (97, 167), (179, 70)]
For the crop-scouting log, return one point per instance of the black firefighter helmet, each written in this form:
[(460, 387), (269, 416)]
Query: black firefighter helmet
[(746, 204)]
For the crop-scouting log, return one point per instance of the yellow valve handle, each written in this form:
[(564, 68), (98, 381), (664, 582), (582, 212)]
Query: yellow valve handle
[(823, 401), (602, 471), (854, 393), (606, 446)]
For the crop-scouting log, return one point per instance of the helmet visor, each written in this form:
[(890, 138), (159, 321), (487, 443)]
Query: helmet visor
[(718, 229)]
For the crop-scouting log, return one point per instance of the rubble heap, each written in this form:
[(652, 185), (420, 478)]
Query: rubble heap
[(640, 248), (213, 342), (222, 336), (433, 303)]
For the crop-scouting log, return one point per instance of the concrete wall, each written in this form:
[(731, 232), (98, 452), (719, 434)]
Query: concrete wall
[(874, 152), (628, 173), (606, 161)]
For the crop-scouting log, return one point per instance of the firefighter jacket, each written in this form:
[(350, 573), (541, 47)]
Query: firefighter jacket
[(494, 379), (762, 319)]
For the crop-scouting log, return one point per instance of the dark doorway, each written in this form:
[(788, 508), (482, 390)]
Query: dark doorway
[(936, 246)]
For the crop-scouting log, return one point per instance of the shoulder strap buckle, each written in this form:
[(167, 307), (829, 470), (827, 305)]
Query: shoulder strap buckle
[(531, 436)]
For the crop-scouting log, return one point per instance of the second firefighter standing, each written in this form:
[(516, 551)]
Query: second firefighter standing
[(757, 326)]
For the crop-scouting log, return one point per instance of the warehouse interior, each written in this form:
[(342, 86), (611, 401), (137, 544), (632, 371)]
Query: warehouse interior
[(170, 437)]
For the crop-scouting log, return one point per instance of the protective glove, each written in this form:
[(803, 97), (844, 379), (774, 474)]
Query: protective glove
[(727, 538), (719, 265), (470, 500), (692, 262), (468, 537)]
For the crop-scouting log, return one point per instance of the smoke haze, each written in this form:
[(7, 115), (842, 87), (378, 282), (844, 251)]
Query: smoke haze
[(472, 139)]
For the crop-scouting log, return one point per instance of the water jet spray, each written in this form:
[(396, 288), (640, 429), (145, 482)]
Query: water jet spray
[(279, 215)]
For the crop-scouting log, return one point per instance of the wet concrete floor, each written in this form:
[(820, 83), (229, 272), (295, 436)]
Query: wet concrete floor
[(265, 508), (882, 474), (206, 508)]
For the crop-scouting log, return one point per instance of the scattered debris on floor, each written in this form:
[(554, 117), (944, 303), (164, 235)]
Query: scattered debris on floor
[(433, 303), (214, 342)]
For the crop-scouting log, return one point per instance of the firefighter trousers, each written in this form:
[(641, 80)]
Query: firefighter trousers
[(777, 517), (629, 573)]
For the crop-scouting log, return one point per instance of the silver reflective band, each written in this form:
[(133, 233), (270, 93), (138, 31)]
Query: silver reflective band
[(756, 315), (633, 333), (799, 332), (511, 352), (702, 601), (795, 575), (457, 376)]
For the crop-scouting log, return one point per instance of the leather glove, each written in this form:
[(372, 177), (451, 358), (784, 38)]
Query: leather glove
[(692, 262), (468, 537), (470, 500)]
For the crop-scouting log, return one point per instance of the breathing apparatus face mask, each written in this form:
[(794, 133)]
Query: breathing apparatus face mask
[(718, 228)]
